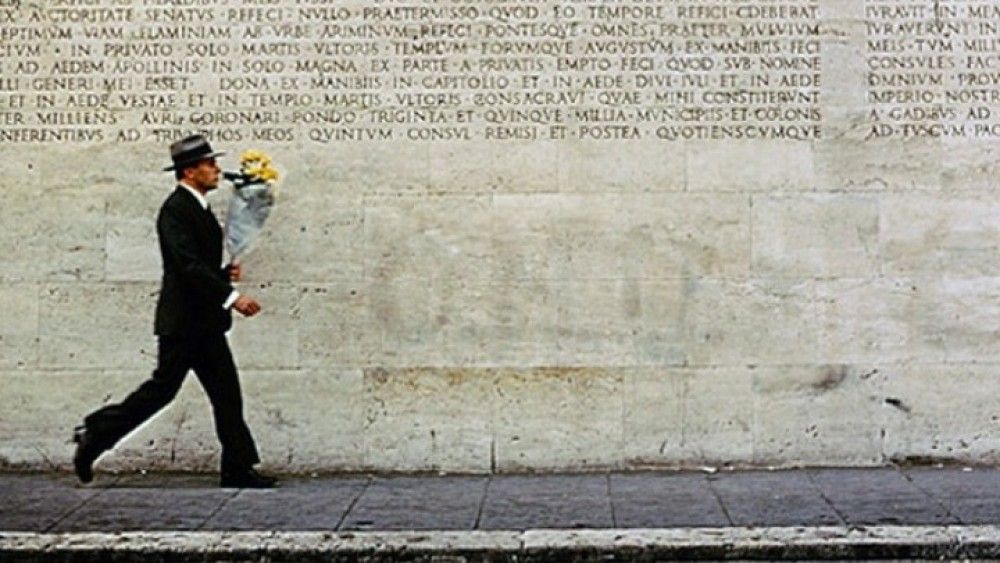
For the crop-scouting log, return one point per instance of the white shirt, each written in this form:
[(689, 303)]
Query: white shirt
[(204, 205), (197, 195)]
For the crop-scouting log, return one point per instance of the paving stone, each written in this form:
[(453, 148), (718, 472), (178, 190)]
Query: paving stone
[(657, 500), (145, 480), (781, 510), (754, 481), (984, 510), (518, 502), (418, 503), (145, 505), (879, 496), (34, 502), (299, 504), (22, 519), (778, 498), (864, 483), (893, 511), (951, 482)]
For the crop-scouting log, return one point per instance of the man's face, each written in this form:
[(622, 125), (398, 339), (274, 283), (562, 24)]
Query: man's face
[(204, 176)]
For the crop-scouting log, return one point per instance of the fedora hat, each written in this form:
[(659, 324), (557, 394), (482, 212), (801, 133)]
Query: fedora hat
[(190, 150)]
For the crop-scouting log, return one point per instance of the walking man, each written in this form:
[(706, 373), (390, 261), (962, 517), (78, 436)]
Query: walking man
[(192, 318)]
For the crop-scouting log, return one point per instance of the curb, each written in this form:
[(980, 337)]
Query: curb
[(884, 542)]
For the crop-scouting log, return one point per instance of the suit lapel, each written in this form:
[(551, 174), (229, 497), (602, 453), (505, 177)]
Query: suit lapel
[(209, 233), (207, 218)]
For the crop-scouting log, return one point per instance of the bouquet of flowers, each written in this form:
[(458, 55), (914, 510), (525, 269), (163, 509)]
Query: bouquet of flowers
[(254, 193)]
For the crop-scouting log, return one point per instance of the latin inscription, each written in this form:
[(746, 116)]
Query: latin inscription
[(322, 72), (933, 68)]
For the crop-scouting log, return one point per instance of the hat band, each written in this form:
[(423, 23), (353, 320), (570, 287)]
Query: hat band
[(193, 155)]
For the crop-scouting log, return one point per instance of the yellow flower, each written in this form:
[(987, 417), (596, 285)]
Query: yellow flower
[(252, 154), (256, 164)]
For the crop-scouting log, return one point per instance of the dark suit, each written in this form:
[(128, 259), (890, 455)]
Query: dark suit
[(194, 287), (191, 324)]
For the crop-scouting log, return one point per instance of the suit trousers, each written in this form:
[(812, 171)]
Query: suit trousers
[(210, 358)]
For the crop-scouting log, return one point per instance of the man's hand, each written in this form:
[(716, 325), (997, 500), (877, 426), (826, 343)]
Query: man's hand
[(247, 306), (235, 272)]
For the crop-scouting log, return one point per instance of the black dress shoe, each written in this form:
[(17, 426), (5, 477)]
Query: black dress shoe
[(86, 453), (247, 479)]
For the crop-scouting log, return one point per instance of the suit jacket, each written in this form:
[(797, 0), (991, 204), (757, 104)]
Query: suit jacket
[(194, 285)]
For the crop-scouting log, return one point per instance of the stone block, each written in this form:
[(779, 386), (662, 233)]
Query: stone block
[(18, 163), (879, 165), (741, 166), (63, 242), (557, 236), (98, 168), (653, 417), (588, 236), (310, 237), (404, 324), (939, 412), (970, 166), (307, 420), (598, 322), (909, 320), (685, 235), (931, 234), (844, 122), (429, 419), (519, 167), (589, 166), (815, 415), (335, 325), (102, 326), (750, 322), (270, 339), (42, 408), (961, 318), (841, 9), (843, 73), (441, 239), (141, 199), (389, 167), (660, 309), (718, 416), (815, 236), (19, 325), (551, 418), (498, 325), (133, 253), (525, 237), (871, 320)]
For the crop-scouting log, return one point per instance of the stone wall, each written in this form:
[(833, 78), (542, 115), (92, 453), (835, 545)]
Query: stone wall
[(520, 234)]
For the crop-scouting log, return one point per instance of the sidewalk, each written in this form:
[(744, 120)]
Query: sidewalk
[(921, 511)]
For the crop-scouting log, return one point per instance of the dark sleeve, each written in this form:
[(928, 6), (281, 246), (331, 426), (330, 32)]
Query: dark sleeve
[(181, 248)]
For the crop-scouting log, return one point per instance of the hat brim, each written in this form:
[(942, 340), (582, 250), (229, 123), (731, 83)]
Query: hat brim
[(177, 165)]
